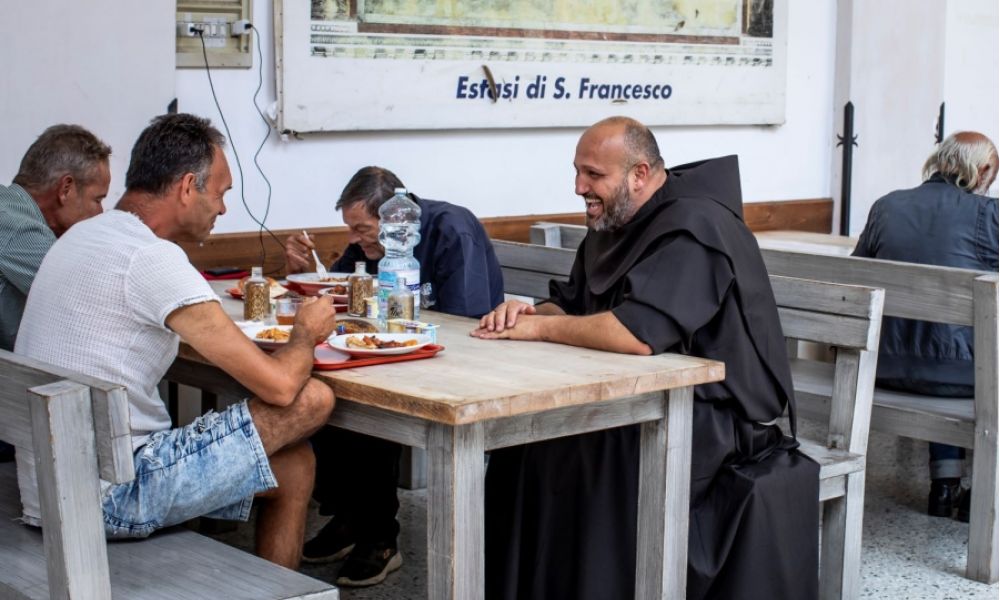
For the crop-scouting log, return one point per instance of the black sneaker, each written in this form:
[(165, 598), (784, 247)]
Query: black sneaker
[(964, 503), (6, 452), (943, 498), (368, 565), (331, 544)]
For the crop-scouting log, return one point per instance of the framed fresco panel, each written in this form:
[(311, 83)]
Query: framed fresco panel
[(348, 65)]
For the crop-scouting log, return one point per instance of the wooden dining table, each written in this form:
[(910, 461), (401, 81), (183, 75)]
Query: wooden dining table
[(479, 395)]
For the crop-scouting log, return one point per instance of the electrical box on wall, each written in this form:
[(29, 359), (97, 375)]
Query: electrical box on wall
[(223, 25)]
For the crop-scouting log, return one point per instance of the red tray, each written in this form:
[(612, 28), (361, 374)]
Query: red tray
[(319, 364)]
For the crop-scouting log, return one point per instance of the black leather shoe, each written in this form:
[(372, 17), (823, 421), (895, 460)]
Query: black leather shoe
[(943, 499), (963, 506)]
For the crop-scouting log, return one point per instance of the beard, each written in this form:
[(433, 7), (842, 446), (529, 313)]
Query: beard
[(618, 209)]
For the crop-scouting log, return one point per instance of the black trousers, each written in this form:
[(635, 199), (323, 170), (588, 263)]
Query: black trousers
[(356, 479)]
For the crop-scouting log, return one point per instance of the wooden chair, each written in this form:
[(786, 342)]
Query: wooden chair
[(73, 430), (846, 318)]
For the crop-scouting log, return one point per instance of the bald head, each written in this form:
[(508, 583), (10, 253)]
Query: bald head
[(967, 157), (618, 169), (632, 138)]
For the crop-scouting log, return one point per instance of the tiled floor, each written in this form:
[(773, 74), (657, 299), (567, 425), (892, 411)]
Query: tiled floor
[(907, 555)]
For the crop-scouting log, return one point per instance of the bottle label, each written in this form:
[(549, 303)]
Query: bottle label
[(387, 283)]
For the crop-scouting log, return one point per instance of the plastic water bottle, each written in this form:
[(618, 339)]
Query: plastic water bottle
[(399, 233)]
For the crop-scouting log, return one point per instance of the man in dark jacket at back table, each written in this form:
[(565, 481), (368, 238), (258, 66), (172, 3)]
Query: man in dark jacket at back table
[(457, 259), (945, 221)]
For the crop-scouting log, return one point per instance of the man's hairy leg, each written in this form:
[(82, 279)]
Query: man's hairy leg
[(280, 426), (284, 431), (281, 516)]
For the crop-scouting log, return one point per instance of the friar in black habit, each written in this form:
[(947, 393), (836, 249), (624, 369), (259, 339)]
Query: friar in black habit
[(668, 265)]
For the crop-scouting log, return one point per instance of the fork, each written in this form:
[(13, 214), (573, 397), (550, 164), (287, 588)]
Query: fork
[(320, 269)]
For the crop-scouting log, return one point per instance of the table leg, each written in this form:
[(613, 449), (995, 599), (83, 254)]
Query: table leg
[(456, 472), (664, 492)]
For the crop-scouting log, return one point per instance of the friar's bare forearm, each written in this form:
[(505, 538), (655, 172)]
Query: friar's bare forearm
[(602, 331)]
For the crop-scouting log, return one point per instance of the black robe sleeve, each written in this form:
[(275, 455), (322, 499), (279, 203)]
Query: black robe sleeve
[(570, 295), (673, 292)]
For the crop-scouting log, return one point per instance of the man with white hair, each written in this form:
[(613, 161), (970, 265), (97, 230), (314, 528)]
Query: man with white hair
[(947, 221)]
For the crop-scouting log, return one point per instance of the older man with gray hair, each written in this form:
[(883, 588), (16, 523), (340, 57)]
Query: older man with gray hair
[(63, 178), (947, 221)]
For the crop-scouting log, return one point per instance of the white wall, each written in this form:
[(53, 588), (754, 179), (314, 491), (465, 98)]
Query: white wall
[(512, 172), (62, 64), (897, 77), (905, 56), (895, 81), (972, 68)]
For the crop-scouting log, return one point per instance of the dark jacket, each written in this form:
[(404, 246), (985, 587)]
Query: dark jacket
[(455, 256), (936, 223)]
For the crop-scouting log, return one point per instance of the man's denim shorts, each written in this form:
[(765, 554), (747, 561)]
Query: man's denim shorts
[(212, 468)]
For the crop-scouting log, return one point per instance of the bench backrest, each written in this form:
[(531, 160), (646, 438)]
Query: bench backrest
[(557, 235), (109, 406), (846, 317), (64, 425), (925, 292)]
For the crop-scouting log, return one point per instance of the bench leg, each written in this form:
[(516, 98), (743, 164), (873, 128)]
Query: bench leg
[(982, 564), (413, 468), (840, 555), (66, 466)]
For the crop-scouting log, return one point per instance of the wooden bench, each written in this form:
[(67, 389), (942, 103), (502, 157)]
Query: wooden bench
[(72, 430), (847, 318), (943, 295), (929, 293)]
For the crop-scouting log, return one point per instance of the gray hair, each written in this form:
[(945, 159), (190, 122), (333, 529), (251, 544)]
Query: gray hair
[(61, 150), (960, 157), (371, 186)]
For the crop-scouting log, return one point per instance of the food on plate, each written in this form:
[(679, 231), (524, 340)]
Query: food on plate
[(371, 342), (332, 279), (275, 287), (334, 290), (355, 326), (274, 334)]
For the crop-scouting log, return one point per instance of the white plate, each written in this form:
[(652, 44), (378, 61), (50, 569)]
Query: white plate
[(339, 342), (252, 329), (314, 279)]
